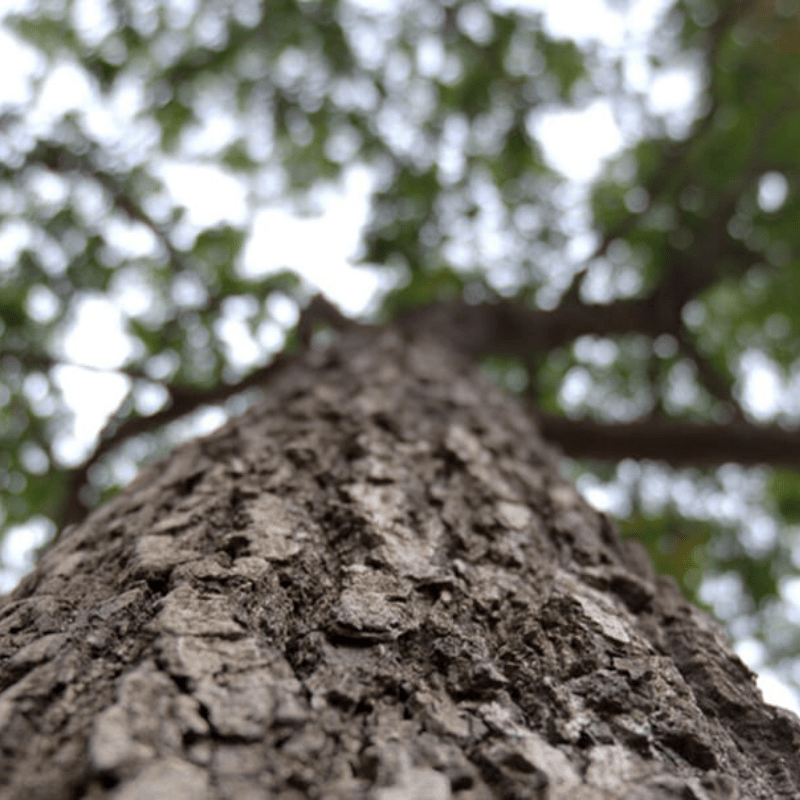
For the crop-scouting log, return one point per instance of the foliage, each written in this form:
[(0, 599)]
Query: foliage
[(441, 104)]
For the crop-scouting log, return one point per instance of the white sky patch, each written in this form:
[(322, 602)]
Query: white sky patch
[(209, 194), (15, 235), (773, 189), (97, 337), (613, 498), (319, 247), (241, 349), (93, 20), (66, 88), (211, 134), (18, 550), (41, 304), (207, 420), (594, 20), (15, 87), (672, 89), (282, 310), (583, 21), (93, 397), (672, 94), (576, 142), (760, 385), (133, 239), (751, 651), (776, 692), (575, 388)]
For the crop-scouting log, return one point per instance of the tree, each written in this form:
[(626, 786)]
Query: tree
[(374, 583), (638, 350)]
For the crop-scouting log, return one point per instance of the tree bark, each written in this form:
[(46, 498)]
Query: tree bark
[(374, 584)]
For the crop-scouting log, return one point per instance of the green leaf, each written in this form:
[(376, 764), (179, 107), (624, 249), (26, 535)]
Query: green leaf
[(237, 157), (173, 117), (784, 487)]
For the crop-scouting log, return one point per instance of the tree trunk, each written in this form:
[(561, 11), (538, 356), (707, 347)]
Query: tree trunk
[(373, 585)]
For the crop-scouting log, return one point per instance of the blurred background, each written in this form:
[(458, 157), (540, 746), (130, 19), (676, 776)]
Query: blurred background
[(179, 177)]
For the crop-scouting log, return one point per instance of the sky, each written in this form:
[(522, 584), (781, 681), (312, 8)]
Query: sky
[(323, 248)]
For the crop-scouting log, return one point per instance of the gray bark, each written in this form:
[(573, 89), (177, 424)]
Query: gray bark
[(374, 584)]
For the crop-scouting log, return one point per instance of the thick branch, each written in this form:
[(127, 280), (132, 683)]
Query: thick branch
[(680, 444), (508, 328)]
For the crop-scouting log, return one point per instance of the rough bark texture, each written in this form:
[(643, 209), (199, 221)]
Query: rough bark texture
[(373, 585)]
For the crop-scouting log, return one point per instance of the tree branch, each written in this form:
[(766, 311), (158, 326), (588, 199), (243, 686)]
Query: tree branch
[(680, 444), (183, 402), (719, 385), (60, 159), (42, 361), (504, 327)]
